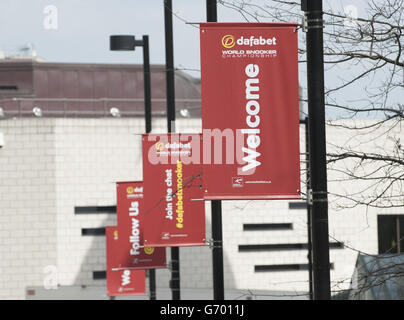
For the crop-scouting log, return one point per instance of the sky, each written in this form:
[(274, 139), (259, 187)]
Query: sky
[(82, 29)]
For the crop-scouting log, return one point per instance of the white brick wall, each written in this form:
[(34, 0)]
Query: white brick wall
[(28, 205), (49, 166)]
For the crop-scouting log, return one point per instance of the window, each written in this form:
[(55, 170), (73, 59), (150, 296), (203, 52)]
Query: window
[(95, 209), (390, 229), (93, 231), (2, 87)]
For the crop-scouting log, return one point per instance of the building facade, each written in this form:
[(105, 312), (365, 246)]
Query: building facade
[(57, 193)]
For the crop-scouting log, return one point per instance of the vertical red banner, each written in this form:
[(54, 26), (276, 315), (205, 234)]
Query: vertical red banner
[(131, 223), (172, 179), (250, 101), (121, 282)]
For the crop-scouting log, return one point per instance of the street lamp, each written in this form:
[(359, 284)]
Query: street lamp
[(129, 43)]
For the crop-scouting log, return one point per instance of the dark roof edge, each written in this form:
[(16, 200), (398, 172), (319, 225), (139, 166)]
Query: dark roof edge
[(25, 63)]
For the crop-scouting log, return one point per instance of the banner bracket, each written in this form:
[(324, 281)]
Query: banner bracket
[(306, 21), (214, 244), (311, 200)]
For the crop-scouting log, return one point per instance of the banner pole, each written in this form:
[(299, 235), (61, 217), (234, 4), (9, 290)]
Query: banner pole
[(308, 187), (148, 125), (170, 93), (216, 206), (314, 24)]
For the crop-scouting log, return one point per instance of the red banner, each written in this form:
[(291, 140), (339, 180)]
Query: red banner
[(250, 105), (121, 282), (172, 179), (131, 252)]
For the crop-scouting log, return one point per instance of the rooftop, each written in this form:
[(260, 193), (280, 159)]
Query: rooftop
[(89, 90)]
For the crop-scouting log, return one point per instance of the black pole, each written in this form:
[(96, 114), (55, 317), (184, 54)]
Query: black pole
[(318, 166), (308, 187), (147, 84), (217, 250), (152, 284), (211, 10), (216, 206), (170, 89), (170, 93), (148, 119), (148, 125)]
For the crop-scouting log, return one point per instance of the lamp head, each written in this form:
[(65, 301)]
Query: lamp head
[(115, 112), (122, 43), (37, 111)]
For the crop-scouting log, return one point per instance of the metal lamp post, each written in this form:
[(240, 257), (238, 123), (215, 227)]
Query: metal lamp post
[(129, 43), (318, 195), (175, 284), (216, 209)]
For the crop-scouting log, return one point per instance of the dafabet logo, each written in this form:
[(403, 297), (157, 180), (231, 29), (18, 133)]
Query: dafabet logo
[(159, 146), (148, 250), (228, 41)]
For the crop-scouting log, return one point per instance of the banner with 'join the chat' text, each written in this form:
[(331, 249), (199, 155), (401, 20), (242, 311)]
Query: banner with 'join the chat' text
[(172, 181), (250, 110)]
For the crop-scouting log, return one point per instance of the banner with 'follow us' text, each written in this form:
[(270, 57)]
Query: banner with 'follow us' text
[(131, 224)]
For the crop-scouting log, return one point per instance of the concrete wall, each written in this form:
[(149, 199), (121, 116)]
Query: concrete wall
[(28, 224)]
